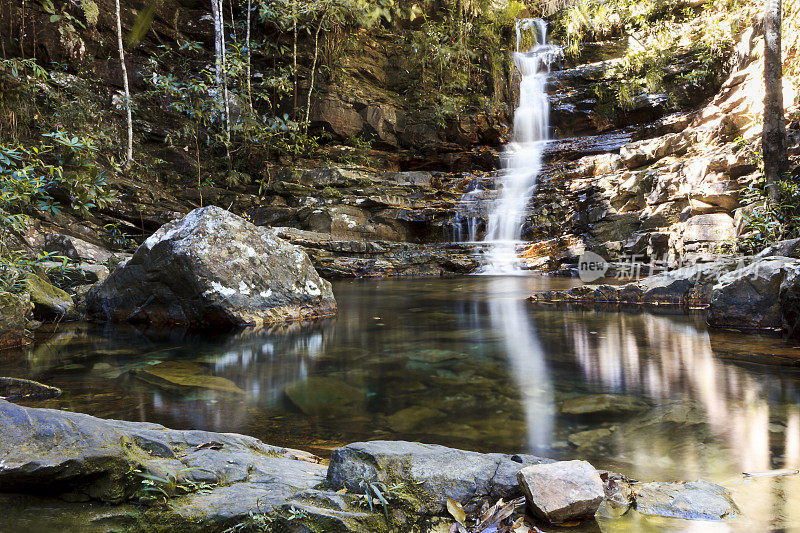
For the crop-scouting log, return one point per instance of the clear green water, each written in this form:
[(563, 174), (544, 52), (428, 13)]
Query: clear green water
[(469, 363)]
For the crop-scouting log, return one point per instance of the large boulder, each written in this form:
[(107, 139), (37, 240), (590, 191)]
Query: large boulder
[(213, 268), (76, 249), (431, 473), (14, 311), (562, 491), (749, 297)]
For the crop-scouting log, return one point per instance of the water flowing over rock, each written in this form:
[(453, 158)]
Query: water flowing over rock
[(562, 491), (522, 159), (213, 268)]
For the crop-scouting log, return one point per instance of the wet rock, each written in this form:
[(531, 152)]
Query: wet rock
[(21, 389), (213, 268), (14, 311), (562, 491), (749, 297), (790, 301), (603, 406), (431, 473), (618, 496), (59, 452), (49, 302), (320, 396), (696, 500), (76, 249), (185, 375)]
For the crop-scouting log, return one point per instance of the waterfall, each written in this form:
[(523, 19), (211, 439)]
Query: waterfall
[(522, 157)]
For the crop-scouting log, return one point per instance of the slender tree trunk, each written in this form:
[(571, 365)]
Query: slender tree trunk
[(773, 140), (294, 57), (314, 65), (247, 45), (226, 107), (215, 11), (129, 149)]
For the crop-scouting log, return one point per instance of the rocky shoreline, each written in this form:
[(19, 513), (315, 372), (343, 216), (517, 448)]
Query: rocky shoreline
[(143, 476)]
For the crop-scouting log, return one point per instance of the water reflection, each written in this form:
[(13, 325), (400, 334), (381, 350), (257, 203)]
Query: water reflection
[(468, 363)]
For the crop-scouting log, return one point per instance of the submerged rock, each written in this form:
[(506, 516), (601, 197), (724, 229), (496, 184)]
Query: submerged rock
[(186, 375), (213, 268), (431, 473), (14, 311), (319, 396), (20, 389), (603, 406), (562, 491), (697, 500)]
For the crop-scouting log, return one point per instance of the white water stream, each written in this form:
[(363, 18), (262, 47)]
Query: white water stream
[(522, 158)]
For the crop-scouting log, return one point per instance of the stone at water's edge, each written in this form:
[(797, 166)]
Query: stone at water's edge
[(749, 297), (562, 491), (17, 388), (14, 311), (603, 405), (213, 268), (697, 500), (431, 473), (49, 302)]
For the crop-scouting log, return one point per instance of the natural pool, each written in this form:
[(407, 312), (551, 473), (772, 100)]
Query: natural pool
[(465, 362)]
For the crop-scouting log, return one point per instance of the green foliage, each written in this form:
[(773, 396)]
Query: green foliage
[(157, 490), (377, 493), (15, 267)]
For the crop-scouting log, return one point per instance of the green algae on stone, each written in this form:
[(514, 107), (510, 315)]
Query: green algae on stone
[(48, 301), (183, 374)]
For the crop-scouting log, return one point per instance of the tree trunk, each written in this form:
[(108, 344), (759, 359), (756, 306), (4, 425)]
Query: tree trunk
[(247, 45), (215, 11), (129, 150), (314, 66), (294, 58), (773, 140)]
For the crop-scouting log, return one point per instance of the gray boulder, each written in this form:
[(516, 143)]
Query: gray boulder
[(431, 473), (76, 249), (697, 500), (213, 268), (562, 491), (749, 297)]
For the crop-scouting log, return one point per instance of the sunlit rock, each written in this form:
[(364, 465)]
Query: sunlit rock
[(213, 268), (697, 500), (562, 491)]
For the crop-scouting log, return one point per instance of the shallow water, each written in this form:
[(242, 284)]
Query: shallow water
[(465, 362)]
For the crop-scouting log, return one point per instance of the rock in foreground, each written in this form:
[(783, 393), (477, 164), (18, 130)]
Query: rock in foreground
[(698, 500), (433, 473), (213, 268), (562, 491)]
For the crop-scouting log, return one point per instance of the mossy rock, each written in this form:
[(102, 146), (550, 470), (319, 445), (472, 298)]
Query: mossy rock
[(182, 375), (14, 310), (49, 302)]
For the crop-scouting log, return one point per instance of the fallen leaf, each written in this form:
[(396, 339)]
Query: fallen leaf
[(456, 510), (213, 445)]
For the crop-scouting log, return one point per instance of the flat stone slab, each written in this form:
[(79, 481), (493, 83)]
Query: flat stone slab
[(696, 500), (431, 473), (562, 491)]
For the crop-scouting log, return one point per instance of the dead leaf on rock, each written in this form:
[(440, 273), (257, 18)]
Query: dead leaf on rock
[(213, 445), (456, 510)]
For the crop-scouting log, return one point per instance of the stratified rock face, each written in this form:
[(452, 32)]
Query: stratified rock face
[(698, 500), (14, 310), (749, 297), (213, 268), (562, 491), (432, 473)]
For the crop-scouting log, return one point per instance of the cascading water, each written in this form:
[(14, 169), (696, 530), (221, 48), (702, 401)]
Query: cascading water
[(522, 158)]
